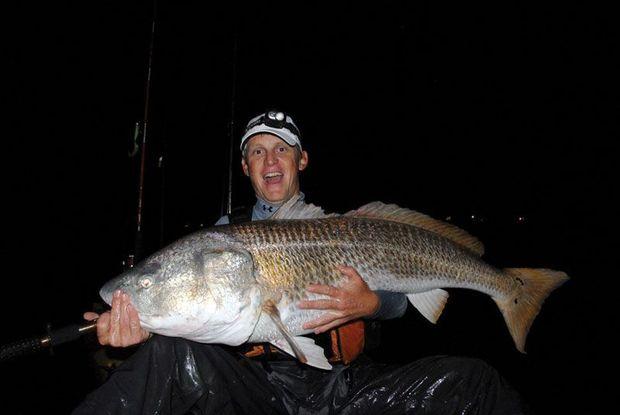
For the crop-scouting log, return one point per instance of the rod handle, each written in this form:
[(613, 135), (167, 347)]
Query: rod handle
[(20, 348)]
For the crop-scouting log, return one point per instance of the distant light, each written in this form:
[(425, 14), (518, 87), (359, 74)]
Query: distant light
[(477, 218)]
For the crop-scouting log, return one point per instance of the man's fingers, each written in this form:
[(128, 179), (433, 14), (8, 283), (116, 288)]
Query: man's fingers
[(321, 321), (134, 320), (119, 327), (115, 319), (323, 324), (103, 328), (116, 306), (331, 325), (352, 300), (124, 328), (103, 323), (319, 304), (138, 334), (323, 289), (348, 271), (90, 316)]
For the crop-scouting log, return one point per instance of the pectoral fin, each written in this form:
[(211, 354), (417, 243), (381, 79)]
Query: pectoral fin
[(315, 354), (271, 309), (429, 303)]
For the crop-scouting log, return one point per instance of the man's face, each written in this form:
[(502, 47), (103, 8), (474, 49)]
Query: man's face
[(273, 167)]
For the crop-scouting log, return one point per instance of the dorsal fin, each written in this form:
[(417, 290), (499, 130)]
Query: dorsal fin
[(297, 209), (379, 210)]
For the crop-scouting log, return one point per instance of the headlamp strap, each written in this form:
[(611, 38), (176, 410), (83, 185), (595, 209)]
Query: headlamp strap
[(274, 119)]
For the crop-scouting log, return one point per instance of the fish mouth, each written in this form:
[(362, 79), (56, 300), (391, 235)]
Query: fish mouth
[(123, 282), (106, 293)]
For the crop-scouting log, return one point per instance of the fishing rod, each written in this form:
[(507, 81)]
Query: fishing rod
[(50, 339), (143, 128), (227, 197), (73, 332)]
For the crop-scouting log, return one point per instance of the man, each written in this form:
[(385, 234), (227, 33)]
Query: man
[(272, 159), (168, 375)]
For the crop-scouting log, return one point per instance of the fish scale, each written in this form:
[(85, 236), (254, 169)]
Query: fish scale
[(290, 254)]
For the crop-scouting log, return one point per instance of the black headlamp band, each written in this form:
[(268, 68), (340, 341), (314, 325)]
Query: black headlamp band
[(274, 123)]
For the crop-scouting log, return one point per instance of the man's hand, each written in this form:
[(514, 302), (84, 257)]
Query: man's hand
[(119, 327), (351, 301)]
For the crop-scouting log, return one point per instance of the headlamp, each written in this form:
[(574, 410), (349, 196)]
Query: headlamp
[(275, 119)]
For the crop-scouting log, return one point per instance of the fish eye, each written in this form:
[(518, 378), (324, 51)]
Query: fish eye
[(145, 282)]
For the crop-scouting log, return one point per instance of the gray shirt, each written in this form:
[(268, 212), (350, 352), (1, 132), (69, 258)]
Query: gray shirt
[(392, 305)]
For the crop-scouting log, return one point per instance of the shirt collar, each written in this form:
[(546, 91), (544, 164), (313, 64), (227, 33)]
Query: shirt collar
[(264, 210)]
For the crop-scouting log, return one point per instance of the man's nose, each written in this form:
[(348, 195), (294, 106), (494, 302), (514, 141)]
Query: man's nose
[(272, 158)]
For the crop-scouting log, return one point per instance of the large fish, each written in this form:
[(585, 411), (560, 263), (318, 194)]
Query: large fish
[(241, 283)]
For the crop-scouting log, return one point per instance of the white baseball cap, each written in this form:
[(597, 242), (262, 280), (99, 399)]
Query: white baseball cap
[(273, 122)]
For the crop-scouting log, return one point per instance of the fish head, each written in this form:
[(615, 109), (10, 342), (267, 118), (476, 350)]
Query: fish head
[(143, 283), (200, 289)]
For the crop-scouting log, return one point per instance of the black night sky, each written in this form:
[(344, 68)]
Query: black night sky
[(483, 113)]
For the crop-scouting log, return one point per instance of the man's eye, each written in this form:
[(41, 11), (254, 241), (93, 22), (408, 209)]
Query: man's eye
[(258, 152), (281, 149)]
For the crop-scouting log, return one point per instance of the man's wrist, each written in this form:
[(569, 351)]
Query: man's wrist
[(377, 308), (391, 305)]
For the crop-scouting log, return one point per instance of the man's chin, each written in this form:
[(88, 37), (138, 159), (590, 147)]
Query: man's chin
[(276, 194)]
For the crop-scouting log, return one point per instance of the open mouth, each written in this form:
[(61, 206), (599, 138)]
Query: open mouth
[(273, 177)]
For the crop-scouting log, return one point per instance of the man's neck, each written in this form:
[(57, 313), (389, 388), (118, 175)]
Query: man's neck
[(264, 209)]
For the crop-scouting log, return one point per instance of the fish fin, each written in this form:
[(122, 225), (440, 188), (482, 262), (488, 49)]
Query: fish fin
[(429, 303), (314, 353), (294, 209), (379, 210), (521, 308), (271, 309)]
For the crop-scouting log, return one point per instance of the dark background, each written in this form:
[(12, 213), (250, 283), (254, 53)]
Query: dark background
[(482, 113)]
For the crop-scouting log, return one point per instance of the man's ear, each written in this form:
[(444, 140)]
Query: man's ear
[(245, 168), (303, 160)]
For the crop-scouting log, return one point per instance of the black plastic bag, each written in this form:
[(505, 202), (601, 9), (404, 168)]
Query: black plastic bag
[(175, 376)]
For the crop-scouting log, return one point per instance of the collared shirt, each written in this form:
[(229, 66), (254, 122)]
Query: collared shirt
[(262, 210)]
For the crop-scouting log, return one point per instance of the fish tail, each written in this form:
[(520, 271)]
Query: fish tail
[(521, 307)]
